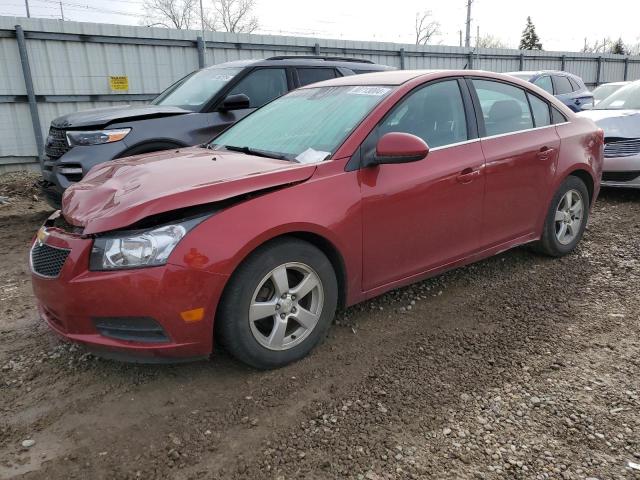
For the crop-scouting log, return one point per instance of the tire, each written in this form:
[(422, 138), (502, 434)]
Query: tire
[(552, 242), (256, 288)]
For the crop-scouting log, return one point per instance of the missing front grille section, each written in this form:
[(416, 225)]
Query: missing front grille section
[(133, 329)]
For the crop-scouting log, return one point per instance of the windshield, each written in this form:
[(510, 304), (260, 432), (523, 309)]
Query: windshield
[(603, 91), (307, 125), (627, 97), (196, 89)]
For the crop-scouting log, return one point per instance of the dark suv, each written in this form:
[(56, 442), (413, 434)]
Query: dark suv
[(189, 112)]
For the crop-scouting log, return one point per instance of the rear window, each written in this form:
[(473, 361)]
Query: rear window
[(574, 84)]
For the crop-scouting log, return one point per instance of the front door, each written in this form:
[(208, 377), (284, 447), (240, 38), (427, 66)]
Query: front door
[(421, 215)]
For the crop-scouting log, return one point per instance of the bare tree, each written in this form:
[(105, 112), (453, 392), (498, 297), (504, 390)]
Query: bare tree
[(180, 14), (426, 27), (491, 41), (235, 16), (599, 46)]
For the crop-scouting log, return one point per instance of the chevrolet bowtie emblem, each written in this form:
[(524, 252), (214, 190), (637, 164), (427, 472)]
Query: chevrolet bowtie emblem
[(42, 236)]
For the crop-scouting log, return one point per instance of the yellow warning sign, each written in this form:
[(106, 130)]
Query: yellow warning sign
[(119, 83)]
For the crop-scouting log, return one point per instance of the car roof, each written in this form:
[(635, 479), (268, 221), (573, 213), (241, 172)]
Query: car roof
[(303, 60), (398, 77), (626, 82), (533, 73)]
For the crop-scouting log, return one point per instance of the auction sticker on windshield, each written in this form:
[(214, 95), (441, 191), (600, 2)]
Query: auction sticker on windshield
[(371, 91)]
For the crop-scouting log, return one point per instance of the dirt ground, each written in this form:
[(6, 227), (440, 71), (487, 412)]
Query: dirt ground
[(520, 366)]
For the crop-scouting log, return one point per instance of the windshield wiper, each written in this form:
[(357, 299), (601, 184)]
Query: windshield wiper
[(256, 152)]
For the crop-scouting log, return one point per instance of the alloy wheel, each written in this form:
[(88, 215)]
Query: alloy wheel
[(569, 217), (286, 306)]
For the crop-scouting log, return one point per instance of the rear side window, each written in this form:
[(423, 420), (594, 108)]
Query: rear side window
[(540, 109), (557, 116), (562, 85), (574, 84), (262, 86), (434, 113), (505, 108), (313, 75), (544, 83)]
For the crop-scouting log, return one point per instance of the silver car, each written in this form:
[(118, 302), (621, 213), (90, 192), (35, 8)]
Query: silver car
[(619, 116)]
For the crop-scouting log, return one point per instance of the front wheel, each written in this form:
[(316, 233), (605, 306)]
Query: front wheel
[(278, 305), (566, 219)]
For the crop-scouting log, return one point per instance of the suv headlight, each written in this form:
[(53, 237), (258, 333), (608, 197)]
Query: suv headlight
[(138, 249), (96, 137)]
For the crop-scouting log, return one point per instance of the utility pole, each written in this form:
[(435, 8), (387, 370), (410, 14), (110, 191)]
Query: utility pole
[(467, 40), (204, 42), (26, 4), (61, 11), (460, 32)]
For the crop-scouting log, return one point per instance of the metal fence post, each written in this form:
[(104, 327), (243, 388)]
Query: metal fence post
[(598, 72), (402, 59), (31, 96), (626, 68), (521, 65), (470, 61), (316, 49), (563, 62), (200, 45)]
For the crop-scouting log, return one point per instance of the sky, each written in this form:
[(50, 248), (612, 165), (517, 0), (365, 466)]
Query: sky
[(560, 24)]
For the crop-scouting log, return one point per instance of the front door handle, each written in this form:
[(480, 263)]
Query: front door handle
[(545, 152), (467, 175)]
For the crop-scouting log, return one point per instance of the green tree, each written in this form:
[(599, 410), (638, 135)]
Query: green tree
[(618, 48), (530, 39)]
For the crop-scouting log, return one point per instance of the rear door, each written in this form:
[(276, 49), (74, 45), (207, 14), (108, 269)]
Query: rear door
[(521, 147), (421, 215)]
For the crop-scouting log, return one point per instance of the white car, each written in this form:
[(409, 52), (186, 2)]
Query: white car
[(606, 89), (619, 116)]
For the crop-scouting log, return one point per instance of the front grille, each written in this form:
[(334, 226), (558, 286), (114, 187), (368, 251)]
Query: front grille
[(46, 260), (622, 148), (133, 329), (56, 144), (620, 176)]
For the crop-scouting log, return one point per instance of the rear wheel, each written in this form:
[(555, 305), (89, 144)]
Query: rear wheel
[(566, 219), (278, 305)]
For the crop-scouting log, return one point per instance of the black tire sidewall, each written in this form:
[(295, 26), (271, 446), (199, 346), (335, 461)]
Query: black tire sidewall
[(232, 325), (550, 243)]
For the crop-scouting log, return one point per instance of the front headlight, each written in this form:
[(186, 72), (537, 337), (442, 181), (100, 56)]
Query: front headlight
[(96, 137), (133, 250)]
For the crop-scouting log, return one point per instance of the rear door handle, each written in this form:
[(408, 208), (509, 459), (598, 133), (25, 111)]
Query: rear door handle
[(545, 152), (467, 175)]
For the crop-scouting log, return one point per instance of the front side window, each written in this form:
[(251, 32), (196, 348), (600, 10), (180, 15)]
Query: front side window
[(504, 107), (262, 86), (195, 90), (434, 113), (544, 83), (313, 75), (540, 110), (307, 125), (563, 85)]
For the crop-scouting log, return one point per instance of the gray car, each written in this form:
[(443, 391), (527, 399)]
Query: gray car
[(190, 112)]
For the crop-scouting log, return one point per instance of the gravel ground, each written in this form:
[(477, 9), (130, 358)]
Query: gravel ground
[(517, 367)]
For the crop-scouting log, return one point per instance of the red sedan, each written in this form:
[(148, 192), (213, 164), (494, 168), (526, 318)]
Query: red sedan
[(328, 196)]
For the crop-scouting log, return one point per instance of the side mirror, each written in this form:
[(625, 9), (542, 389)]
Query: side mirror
[(237, 101), (399, 147)]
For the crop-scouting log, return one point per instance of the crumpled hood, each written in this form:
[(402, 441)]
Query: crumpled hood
[(616, 123), (101, 117), (120, 193)]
